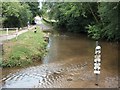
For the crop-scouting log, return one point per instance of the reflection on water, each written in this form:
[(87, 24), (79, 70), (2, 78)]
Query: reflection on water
[(69, 63), (67, 46)]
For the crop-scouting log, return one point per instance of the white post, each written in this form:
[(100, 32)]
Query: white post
[(97, 62), (7, 33), (28, 24), (16, 33)]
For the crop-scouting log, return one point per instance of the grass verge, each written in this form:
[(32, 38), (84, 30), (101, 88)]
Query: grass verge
[(4, 32), (28, 48)]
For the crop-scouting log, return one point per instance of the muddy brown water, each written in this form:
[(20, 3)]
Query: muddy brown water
[(68, 64)]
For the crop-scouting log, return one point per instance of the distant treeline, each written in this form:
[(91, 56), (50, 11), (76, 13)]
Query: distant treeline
[(17, 14), (98, 19)]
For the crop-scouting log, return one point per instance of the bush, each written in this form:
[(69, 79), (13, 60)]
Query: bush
[(94, 31)]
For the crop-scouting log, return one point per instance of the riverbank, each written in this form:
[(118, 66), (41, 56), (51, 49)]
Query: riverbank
[(28, 48)]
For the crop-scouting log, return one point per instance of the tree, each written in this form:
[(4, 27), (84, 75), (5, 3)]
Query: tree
[(107, 27), (73, 16), (15, 14), (98, 20), (33, 6), (109, 19)]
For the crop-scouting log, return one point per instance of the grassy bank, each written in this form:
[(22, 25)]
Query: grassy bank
[(28, 48)]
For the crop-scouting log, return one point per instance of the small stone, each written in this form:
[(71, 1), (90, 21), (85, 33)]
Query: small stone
[(71, 74), (55, 73), (96, 84), (69, 79)]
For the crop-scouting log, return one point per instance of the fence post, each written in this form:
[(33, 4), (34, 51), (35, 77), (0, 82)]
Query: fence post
[(16, 33), (7, 33)]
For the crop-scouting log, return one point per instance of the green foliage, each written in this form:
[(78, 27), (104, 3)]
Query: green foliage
[(94, 32), (15, 14), (109, 18), (14, 61), (107, 28), (73, 16), (33, 7)]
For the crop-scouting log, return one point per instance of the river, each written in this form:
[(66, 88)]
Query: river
[(68, 64)]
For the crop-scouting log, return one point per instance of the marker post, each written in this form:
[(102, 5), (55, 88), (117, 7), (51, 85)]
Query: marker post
[(7, 33), (16, 33), (97, 62)]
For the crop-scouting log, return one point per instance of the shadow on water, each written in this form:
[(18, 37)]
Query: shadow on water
[(69, 63)]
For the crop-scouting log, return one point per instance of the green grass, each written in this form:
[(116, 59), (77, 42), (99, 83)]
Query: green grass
[(28, 48)]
